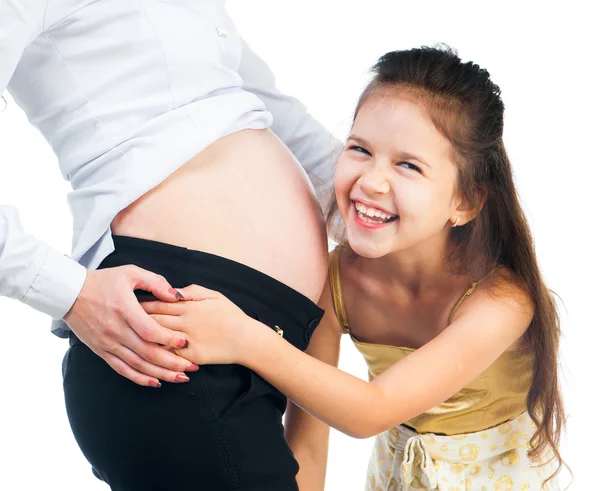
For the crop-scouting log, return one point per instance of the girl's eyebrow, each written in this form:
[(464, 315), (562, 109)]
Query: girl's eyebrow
[(405, 155)]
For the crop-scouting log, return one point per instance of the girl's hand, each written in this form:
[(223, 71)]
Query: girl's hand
[(216, 329)]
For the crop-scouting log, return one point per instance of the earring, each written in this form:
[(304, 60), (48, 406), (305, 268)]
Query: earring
[(456, 222)]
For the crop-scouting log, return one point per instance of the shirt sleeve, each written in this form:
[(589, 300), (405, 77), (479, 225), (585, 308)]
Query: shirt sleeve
[(30, 271), (311, 143)]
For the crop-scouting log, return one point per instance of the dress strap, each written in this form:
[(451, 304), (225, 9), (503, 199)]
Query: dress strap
[(465, 295), (335, 283)]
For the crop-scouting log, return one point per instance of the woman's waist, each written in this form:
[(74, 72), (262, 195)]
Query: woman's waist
[(262, 297), (245, 198)]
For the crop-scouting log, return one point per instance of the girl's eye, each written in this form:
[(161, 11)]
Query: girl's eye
[(409, 166), (358, 149)]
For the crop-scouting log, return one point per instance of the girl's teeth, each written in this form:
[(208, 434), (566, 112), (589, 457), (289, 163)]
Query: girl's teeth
[(371, 212)]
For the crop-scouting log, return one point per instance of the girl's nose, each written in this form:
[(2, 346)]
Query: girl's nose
[(374, 182)]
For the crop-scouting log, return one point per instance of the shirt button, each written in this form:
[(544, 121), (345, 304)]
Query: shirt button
[(222, 33)]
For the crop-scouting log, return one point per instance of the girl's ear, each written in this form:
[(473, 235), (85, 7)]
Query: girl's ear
[(466, 210)]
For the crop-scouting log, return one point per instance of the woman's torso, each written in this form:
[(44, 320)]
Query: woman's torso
[(390, 334)]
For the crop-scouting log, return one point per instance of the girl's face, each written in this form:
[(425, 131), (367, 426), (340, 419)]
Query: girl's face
[(395, 180)]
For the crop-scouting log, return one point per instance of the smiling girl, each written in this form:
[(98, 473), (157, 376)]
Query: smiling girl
[(436, 281)]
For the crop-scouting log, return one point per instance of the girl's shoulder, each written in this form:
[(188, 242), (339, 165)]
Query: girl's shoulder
[(503, 285), (500, 293)]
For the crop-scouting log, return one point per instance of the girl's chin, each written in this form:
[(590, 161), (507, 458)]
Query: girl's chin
[(366, 249)]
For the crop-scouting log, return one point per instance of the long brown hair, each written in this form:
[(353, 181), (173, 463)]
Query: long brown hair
[(465, 106)]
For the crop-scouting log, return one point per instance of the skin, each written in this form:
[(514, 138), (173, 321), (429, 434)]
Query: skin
[(397, 161)]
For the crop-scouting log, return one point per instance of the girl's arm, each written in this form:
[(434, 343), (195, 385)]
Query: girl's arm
[(307, 436), (484, 327)]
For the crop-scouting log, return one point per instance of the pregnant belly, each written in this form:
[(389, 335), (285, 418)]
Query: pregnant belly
[(245, 198)]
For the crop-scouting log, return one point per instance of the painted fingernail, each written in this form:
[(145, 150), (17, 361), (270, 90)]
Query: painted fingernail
[(154, 383), (182, 344), (173, 292), (181, 378), (192, 368)]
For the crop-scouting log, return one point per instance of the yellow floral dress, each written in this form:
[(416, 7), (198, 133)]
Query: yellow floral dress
[(490, 460)]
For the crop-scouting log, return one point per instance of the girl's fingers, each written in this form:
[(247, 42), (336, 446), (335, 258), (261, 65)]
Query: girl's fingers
[(163, 308), (197, 292)]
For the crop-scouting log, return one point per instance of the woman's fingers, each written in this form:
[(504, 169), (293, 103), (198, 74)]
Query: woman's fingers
[(153, 369), (172, 322), (148, 281), (122, 368), (161, 358)]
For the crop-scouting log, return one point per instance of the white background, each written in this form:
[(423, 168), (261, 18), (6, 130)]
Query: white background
[(543, 58)]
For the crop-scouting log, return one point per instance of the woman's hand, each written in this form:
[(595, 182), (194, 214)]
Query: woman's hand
[(216, 329), (107, 317)]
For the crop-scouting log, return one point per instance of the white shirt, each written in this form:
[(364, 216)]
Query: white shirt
[(126, 92)]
